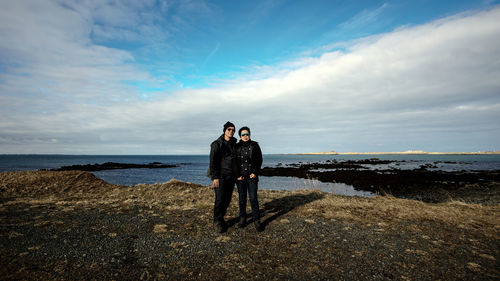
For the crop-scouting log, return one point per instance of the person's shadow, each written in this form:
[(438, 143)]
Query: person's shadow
[(280, 206), (283, 205)]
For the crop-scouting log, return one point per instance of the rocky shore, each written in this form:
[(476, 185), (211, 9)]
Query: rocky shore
[(70, 225), (407, 152), (423, 183)]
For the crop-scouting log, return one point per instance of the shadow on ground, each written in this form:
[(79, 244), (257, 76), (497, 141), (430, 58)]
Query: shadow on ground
[(283, 205)]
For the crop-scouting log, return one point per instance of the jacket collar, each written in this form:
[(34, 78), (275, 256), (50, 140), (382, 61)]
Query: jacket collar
[(221, 139)]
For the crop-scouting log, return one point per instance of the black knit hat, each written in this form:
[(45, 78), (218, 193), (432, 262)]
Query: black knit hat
[(227, 125), (242, 129)]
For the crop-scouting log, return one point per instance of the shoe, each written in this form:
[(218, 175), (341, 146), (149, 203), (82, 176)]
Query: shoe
[(258, 226), (219, 227), (242, 223)]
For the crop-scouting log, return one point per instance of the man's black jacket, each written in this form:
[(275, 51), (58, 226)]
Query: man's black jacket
[(216, 154)]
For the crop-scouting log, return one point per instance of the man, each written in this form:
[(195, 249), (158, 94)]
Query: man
[(222, 172)]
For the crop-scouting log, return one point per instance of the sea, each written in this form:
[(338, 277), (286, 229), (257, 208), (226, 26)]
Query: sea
[(192, 168)]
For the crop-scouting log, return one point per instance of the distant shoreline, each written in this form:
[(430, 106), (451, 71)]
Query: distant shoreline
[(409, 152)]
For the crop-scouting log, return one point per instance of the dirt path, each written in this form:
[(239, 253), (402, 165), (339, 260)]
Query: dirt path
[(164, 231)]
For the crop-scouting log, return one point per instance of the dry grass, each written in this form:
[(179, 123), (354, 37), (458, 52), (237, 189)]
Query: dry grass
[(82, 188), (164, 230), (387, 210), (39, 183)]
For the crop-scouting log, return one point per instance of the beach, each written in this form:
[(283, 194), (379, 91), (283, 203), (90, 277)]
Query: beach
[(71, 225)]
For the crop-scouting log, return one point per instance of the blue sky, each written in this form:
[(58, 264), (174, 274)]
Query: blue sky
[(217, 40), (161, 77)]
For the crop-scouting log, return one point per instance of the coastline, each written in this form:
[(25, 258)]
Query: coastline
[(408, 152)]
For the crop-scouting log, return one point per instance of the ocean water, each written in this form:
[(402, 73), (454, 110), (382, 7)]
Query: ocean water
[(192, 168)]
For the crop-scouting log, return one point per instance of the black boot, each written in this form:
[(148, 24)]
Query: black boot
[(219, 227), (242, 222), (257, 225)]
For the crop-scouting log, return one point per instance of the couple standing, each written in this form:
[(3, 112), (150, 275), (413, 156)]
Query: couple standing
[(232, 162)]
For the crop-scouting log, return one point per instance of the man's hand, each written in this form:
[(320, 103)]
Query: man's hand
[(252, 176), (240, 178), (216, 183)]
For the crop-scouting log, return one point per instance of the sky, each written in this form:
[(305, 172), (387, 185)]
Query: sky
[(155, 77)]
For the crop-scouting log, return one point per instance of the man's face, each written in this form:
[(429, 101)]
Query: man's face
[(229, 132)]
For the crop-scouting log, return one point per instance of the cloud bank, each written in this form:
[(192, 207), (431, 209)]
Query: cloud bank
[(433, 87)]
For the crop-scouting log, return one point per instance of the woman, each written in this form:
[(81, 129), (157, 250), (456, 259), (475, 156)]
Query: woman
[(248, 163)]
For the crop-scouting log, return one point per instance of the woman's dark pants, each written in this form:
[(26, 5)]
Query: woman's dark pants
[(250, 186), (223, 195)]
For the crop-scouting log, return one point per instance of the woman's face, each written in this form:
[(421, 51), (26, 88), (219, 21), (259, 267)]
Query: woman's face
[(245, 135)]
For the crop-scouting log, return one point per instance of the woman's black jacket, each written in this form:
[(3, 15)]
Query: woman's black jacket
[(255, 158)]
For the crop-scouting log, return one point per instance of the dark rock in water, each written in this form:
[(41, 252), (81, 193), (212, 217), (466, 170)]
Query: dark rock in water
[(114, 166), (428, 166), (419, 182)]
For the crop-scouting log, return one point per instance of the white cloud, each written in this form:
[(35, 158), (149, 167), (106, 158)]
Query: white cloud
[(364, 18), (431, 87)]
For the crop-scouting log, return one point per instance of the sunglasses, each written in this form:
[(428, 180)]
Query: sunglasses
[(229, 129), (245, 134)]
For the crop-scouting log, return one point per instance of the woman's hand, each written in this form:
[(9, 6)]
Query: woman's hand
[(253, 176), (240, 178)]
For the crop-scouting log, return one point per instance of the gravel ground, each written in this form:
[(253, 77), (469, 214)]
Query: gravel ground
[(133, 237)]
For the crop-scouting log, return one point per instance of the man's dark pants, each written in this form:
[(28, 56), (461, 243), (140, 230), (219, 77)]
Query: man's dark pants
[(249, 185), (223, 195)]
